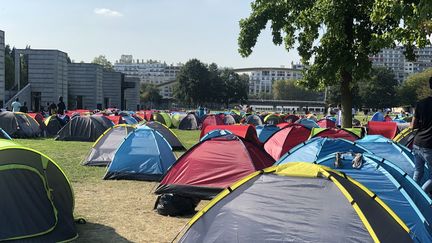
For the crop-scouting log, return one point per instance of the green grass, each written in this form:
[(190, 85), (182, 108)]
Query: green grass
[(69, 155)]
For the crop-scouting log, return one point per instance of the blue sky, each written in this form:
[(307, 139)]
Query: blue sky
[(168, 30)]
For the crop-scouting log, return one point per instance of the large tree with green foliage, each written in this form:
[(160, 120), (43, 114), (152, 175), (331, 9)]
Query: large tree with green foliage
[(235, 87), (335, 38), (193, 83), (103, 61), (9, 68), (379, 90), (150, 93), (416, 87), (290, 90)]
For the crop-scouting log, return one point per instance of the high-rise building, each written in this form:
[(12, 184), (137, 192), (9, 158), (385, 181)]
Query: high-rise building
[(261, 78), (2, 69), (394, 59)]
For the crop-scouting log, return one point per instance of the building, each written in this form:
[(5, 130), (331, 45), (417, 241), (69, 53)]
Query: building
[(131, 93), (111, 87), (149, 71), (394, 59), (85, 86), (261, 78), (166, 90), (41, 77), (2, 68)]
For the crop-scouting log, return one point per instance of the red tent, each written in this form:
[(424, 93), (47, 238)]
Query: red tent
[(386, 129), (285, 139), (247, 132), (326, 123), (212, 120), (337, 133), (283, 124), (115, 119), (212, 165)]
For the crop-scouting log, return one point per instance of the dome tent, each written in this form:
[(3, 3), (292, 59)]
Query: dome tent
[(212, 165), (276, 204), (190, 122), (4, 135), (169, 135), (84, 128), (144, 155), (163, 118), (102, 151), (37, 199), (19, 125)]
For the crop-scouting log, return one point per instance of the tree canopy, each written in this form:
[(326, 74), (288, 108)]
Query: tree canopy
[(198, 83), (336, 38), (103, 61), (289, 90), (416, 87), (150, 93)]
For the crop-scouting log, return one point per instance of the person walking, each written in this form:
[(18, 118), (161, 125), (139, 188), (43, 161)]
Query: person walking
[(16, 105), (422, 148)]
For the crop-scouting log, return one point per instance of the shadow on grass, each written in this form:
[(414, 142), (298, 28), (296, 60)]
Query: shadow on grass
[(92, 232)]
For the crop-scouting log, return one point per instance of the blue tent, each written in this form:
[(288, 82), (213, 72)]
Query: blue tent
[(4, 134), (129, 120), (394, 152), (378, 116), (382, 177), (214, 134), (309, 123), (317, 148), (265, 131), (144, 155)]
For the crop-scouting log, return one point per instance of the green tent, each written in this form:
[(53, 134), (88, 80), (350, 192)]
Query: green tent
[(36, 200), (163, 118)]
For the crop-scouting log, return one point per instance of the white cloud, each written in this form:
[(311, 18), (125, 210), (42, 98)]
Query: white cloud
[(107, 12)]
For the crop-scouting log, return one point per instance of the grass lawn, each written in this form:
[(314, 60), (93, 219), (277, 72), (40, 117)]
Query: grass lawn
[(116, 211)]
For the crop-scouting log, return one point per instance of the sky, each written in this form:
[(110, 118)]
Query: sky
[(167, 30)]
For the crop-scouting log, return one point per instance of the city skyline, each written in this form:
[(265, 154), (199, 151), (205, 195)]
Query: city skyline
[(206, 30)]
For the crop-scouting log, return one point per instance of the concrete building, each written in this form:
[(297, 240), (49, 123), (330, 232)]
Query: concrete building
[(2, 68), (111, 87), (41, 77), (261, 78), (395, 60), (148, 71), (85, 86), (131, 93)]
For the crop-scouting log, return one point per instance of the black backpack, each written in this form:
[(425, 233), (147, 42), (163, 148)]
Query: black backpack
[(175, 205)]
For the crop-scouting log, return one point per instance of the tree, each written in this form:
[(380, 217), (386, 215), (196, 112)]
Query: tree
[(101, 60), (216, 84), (235, 87), (416, 87), (289, 90), (193, 83), (9, 67), (378, 91), (338, 36), (150, 93)]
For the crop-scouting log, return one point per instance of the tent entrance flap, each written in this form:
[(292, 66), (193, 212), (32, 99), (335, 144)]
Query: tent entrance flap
[(27, 214)]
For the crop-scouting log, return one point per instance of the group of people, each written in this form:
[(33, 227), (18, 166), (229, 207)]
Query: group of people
[(51, 109)]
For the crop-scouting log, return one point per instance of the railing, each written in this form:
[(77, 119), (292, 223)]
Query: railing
[(24, 91)]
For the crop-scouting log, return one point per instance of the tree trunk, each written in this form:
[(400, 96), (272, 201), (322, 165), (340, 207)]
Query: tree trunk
[(346, 99)]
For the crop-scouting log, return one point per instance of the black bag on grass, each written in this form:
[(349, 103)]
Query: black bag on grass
[(175, 205)]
